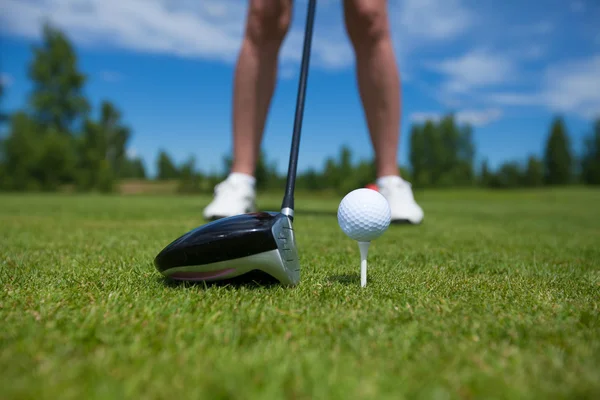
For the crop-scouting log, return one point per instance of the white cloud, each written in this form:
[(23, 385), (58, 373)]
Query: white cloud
[(539, 28), (182, 28), (577, 6), (542, 28), (287, 72), (208, 29), (574, 87), (432, 19), (570, 87), (111, 76), (212, 29), (515, 99), (532, 30), (534, 52), (469, 116), (416, 25), (6, 79), (475, 69)]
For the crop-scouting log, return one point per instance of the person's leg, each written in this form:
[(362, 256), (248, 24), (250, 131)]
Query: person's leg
[(378, 79), (267, 23), (367, 25)]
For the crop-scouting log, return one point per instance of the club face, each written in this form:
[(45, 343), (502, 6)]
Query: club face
[(231, 247)]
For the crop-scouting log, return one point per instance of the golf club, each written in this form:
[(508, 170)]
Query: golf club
[(263, 241)]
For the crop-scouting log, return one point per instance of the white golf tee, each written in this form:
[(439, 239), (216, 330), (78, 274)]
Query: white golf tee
[(364, 251)]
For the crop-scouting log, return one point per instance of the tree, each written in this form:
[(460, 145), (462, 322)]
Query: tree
[(331, 179), (509, 175), (464, 168), (590, 165), (21, 152), (57, 100), (57, 160), (3, 119), (310, 180), (265, 172), (485, 176), (3, 115), (190, 181), (166, 167), (534, 173), (102, 150), (116, 136), (94, 170), (418, 156), (558, 160), (442, 154), (133, 168), (434, 152), (54, 141), (346, 177), (40, 152), (363, 173), (404, 171)]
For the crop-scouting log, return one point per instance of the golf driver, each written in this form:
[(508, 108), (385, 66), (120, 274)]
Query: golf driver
[(263, 241)]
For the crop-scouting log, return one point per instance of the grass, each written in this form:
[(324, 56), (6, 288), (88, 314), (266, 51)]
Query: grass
[(495, 296)]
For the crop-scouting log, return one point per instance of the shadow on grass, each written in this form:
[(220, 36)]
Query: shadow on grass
[(251, 280), (345, 279)]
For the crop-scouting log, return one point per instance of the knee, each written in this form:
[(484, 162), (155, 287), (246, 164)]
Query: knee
[(366, 21), (267, 21)]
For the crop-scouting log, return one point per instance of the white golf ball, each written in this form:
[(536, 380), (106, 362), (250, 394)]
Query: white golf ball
[(364, 214)]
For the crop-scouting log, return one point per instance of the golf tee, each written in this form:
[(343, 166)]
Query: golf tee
[(364, 251)]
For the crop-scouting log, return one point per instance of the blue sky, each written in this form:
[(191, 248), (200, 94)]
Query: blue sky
[(505, 67)]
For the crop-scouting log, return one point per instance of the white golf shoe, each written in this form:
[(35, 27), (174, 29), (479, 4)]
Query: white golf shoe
[(399, 194), (234, 196)]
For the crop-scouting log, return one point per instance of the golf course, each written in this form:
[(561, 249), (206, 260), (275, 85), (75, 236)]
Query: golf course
[(495, 296)]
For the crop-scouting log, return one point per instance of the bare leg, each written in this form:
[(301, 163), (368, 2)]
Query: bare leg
[(378, 78), (267, 23)]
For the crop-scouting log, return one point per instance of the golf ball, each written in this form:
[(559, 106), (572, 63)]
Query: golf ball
[(364, 215)]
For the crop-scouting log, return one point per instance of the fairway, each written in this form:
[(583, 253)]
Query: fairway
[(495, 295)]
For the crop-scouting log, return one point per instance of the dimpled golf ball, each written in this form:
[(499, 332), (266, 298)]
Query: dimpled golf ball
[(364, 215)]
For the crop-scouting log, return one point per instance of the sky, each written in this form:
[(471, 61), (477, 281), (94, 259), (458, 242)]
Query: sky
[(507, 68)]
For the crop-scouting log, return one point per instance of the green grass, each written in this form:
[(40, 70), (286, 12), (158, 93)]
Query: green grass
[(496, 295)]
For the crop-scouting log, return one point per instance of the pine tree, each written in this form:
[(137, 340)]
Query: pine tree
[(485, 176), (3, 115), (265, 173), (558, 160), (591, 159), (166, 167), (534, 174), (417, 156), (133, 168), (116, 136)]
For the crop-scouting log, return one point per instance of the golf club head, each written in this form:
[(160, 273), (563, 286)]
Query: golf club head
[(233, 246)]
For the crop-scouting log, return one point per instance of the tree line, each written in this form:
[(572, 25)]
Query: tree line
[(57, 140), (442, 154)]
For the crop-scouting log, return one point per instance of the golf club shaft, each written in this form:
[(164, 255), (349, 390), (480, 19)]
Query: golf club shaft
[(287, 206)]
